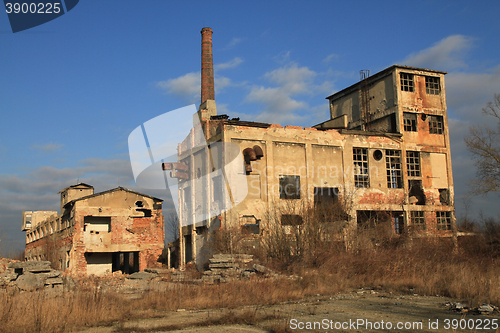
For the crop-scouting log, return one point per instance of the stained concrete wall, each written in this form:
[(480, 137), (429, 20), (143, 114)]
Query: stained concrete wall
[(324, 158)]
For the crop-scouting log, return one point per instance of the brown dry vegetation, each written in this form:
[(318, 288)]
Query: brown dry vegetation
[(324, 265)]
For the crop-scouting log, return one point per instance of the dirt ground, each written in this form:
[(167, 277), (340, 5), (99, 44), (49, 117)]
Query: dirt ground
[(357, 311)]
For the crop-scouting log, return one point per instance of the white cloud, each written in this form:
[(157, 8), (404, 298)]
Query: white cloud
[(187, 87), (468, 93), (228, 65), (221, 82), (47, 148), (282, 58), (447, 54), (293, 79), (235, 41), (275, 99), (331, 57), (281, 103)]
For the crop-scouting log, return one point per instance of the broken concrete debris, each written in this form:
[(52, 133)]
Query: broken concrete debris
[(230, 267), (484, 309), (33, 275)]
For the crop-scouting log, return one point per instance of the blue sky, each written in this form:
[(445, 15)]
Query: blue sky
[(74, 88)]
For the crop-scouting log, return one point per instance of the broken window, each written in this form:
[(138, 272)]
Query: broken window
[(444, 196), (413, 163), (418, 220), (416, 192), (443, 220), (361, 175), (289, 187), (410, 122), (407, 83), (249, 224), (432, 85), (435, 124), (393, 165)]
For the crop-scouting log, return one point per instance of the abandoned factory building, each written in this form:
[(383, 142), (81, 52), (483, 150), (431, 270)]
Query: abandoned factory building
[(385, 147), (97, 233)]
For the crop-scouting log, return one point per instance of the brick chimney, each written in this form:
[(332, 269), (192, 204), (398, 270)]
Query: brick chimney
[(207, 66), (207, 76)]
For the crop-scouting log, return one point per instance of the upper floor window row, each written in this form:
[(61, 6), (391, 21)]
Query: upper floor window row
[(432, 84)]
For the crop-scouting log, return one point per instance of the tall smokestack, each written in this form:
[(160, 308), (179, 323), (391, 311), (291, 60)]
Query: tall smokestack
[(207, 66)]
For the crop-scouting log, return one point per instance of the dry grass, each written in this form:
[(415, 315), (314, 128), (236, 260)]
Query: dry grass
[(426, 267)]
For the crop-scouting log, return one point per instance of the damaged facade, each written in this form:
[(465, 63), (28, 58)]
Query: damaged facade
[(97, 233), (385, 148)]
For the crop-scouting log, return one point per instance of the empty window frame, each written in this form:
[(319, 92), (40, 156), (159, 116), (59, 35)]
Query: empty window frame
[(418, 220), (413, 163), (432, 85), (443, 220), (289, 187), (361, 175), (289, 219), (410, 122), (217, 193), (394, 170), (435, 124), (398, 222), (407, 83)]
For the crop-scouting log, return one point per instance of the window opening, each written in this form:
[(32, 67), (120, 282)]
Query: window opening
[(399, 223), (418, 220), (435, 124), (410, 122), (413, 163), (360, 159), (407, 83), (416, 192), (289, 187), (393, 166), (432, 85), (443, 220), (377, 155), (444, 196)]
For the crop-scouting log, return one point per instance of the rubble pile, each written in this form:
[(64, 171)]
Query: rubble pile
[(229, 267), (484, 309), (4, 262), (31, 275)]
